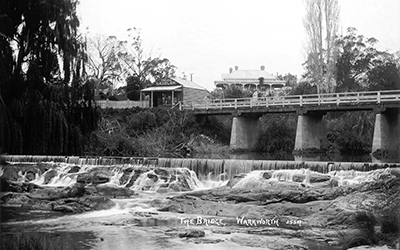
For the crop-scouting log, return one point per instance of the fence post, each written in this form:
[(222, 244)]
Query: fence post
[(337, 99), (379, 97), (235, 103), (301, 101)]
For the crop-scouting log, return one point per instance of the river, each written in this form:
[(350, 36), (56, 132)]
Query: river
[(136, 222)]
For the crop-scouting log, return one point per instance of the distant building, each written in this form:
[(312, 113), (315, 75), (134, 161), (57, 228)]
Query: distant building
[(173, 90), (250, 79)]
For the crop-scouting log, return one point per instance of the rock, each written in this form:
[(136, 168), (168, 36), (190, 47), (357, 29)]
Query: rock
[(96, 202), (316, 177), (370, 248), (50, 193), (270, 242), (63, 208), (114, 191), (100, 178), (49, 175), (235, 179), (192, 233), (21, 187), (84, 178), (177, 188), (171, 208), (17, 198), (76, 190), (267, 175), (3, 184), (30, 175), (153, 177), (74, 169)]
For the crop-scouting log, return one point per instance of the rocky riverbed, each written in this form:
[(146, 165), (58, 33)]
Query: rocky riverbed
[(170, 208)]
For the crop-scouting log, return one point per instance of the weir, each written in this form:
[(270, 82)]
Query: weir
[(204, 168)]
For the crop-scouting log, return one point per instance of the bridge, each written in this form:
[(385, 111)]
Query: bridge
[(311, 129)]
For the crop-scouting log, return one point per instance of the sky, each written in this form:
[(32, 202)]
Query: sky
[(207, 37)]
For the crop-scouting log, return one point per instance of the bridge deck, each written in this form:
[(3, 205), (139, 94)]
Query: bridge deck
[(289, 104)]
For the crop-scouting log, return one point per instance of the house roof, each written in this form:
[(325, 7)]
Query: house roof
[(248, 74)]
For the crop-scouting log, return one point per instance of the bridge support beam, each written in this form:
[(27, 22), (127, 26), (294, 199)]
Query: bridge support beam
[(245, 133), (386, 142), (310, 133)]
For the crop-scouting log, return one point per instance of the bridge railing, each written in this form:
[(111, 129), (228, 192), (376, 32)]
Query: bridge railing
[(298, 100)]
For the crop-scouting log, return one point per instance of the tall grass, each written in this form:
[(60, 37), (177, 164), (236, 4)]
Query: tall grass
[(31, 241), (382, 229)]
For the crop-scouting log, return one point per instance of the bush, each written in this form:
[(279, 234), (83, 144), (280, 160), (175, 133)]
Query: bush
[(279, 133)]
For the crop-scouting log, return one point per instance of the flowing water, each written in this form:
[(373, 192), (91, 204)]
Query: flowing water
[(135, 221)]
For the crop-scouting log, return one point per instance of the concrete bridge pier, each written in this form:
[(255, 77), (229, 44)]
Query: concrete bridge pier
[(245, 133), (311, 133), (386, 142)]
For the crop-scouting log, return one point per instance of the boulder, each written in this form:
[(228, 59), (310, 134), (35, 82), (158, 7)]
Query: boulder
[(64, 208), (49, 175), (74, 169)]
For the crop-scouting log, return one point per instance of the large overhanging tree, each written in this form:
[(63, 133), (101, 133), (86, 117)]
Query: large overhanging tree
[(321, 25), (45, 106)]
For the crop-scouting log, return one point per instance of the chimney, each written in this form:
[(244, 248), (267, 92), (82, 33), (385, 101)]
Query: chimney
[(262, 67), (236, 67), (230, 70)]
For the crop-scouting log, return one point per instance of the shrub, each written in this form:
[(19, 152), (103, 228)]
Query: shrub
[(279, 132)]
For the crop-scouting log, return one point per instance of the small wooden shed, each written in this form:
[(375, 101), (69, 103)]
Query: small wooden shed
[(173, 90)]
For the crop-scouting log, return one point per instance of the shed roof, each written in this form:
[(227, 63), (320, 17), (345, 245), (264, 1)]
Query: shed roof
[(187, 84), (162, 88)]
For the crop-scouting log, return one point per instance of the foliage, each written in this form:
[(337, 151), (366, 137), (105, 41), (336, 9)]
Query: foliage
[(133, 87), (360, 66), (31, 241), (279, 132), (232, 91), (303, 88), (45, 106), (290, 80), (218, 128), (366, 223), (351, 132), (150, 132), (135, 62)]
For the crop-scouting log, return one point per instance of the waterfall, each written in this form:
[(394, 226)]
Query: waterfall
[(174, 173)]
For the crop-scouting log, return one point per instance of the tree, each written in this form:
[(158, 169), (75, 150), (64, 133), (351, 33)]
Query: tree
[(45, 105), (133, 87), (135, 62), (321, 24), (103, 62), (360, 66), (290, 80)]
